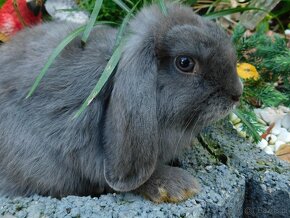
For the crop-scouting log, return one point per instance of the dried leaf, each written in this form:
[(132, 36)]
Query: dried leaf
[(284, 152)]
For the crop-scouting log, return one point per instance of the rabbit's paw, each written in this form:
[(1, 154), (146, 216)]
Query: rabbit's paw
[(169, 184)]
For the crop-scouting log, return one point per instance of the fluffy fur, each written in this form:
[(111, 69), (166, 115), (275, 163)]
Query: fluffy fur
[(144, 117)]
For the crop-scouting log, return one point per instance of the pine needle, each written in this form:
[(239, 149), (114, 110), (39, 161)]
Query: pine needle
[(249, 121)]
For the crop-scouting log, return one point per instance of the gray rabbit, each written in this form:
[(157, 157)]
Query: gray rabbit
[(176, 75)]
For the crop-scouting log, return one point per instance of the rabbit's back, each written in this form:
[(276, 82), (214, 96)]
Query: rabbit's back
[(42, 150)]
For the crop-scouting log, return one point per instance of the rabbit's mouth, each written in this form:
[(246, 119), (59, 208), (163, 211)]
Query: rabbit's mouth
[(215, 107)]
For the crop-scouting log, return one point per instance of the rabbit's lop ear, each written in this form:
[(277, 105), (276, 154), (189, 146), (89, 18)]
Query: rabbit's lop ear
[(131, 123)]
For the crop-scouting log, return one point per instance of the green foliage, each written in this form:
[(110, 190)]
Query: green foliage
[(271, 57), (110, 11), (222, 13), (251, 125), (2, 2), (93, 18), (264, 93)]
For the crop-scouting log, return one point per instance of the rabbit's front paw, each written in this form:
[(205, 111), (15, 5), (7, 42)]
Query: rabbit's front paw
[(169, 184)]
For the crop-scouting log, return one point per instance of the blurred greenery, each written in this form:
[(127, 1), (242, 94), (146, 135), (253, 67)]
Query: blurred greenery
[(2, 2), (110, 11)]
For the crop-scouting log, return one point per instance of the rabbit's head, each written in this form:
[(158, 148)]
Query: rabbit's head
[(178, 68)]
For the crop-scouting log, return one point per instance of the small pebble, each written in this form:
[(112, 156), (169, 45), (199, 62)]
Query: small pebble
[(272, 147), (276, 130), (242, 134), (268, 150), (270, 115), (262, 144), (209, 167), (279, 134), (238, 126), (233, 116), (261, 121), (278, 144), (258, 112), (284, 109), (271, 139), (286, 121), (284, 135), (251, 139), (55, 8)]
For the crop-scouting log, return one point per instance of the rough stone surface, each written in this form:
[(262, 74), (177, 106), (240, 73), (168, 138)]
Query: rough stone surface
[(237, 179), (66, 10), (267, 177), (222, 195)]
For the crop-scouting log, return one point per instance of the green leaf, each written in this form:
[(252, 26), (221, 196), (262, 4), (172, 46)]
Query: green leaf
[(162, 7), (92, 20), (225, 12), (56, 52), (103, 79), (122, 5)]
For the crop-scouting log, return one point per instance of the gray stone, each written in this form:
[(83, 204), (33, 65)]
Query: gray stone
[(237, 179), (267, 177), (222, 195)]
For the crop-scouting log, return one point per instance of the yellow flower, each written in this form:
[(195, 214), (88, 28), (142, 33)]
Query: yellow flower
[(247, 71)]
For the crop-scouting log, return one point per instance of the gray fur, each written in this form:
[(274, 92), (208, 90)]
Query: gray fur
[(144, 117)]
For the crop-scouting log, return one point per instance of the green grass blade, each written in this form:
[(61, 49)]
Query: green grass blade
[(122, 5), (212, 5), (103, 79), (53, 56), (111, 64), (92, 20), (56, 52), (162, 7), (124, 24), (225, 12)]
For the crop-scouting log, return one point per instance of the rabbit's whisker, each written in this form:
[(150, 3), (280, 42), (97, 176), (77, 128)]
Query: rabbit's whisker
[(182, 134)]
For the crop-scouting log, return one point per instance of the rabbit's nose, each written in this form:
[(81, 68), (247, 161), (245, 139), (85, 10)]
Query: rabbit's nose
[(234, 89), (235, 97)]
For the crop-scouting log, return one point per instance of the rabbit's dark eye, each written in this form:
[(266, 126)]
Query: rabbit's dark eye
[(185, 64)]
